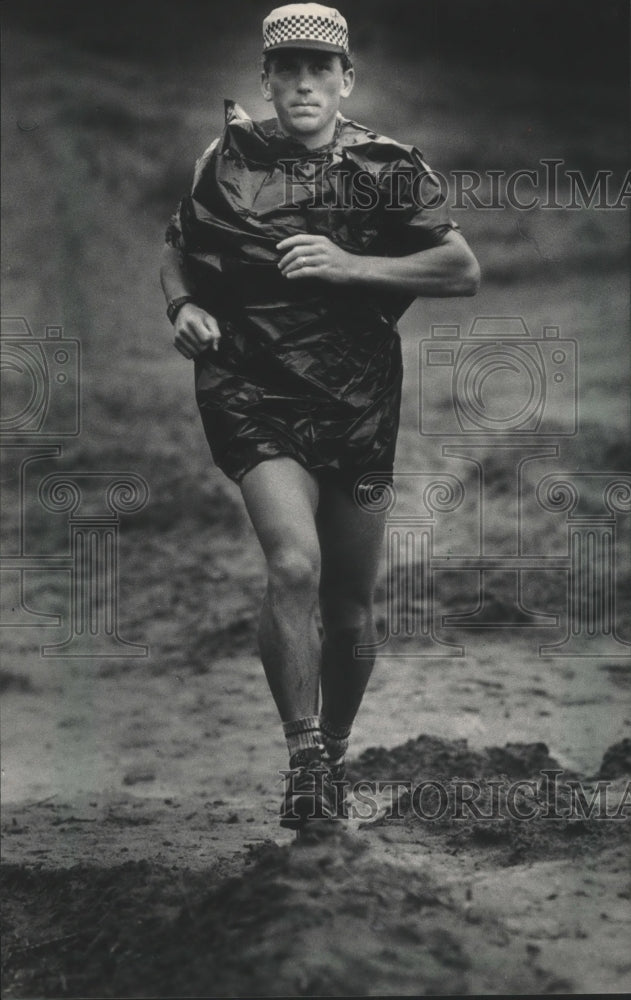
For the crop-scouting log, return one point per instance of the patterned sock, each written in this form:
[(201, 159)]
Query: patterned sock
[(335, 739), (304, 740)]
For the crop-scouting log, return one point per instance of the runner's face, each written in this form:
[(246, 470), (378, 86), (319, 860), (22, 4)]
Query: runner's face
[(305, 88)]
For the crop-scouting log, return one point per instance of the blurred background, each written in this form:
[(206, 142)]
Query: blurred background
[(105, 109)]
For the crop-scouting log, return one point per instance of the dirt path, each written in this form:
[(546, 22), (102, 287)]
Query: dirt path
[(143, 855)]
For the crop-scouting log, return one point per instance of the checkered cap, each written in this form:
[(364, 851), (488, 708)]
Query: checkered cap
[(305, 26)]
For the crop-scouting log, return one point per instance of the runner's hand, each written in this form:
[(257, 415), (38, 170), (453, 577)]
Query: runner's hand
[(309, 256), (195, 331)]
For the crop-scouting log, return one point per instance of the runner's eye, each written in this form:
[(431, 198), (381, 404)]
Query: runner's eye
[(285, 66)]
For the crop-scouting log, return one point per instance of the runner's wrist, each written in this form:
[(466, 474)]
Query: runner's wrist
[(358, 269), (176, 304)]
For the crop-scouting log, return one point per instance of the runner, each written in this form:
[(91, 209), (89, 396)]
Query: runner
[(304, 239)]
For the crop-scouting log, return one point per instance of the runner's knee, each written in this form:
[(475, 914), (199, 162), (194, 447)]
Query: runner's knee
[(294, 570)]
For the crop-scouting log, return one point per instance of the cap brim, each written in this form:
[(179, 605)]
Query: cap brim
[(306, 43)]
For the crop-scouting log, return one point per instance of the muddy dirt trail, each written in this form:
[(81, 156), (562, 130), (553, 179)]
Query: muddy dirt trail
[(177, 880)]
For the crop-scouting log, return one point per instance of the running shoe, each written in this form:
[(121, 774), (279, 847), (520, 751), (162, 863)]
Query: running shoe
[(309, 795)]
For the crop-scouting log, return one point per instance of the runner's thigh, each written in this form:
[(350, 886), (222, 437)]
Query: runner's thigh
[(351, 542), (281, 498)]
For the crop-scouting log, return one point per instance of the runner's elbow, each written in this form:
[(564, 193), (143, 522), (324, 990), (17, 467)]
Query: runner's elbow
[(462, 268), (471, 276), (464, 273)]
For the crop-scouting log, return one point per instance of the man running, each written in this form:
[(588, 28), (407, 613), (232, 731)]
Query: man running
[(303, 240)]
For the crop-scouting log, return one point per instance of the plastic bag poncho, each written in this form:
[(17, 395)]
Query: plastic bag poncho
[(304, 369)]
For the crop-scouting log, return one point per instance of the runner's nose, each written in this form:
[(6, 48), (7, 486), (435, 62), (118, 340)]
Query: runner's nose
[(304, 83)]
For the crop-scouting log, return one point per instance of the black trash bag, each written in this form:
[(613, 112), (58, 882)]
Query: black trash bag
[(305, 368)]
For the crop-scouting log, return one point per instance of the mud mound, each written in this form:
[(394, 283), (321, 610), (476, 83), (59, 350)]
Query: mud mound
[(63, 930), (432, 757), (616, 761), (514, 802), (324, 920)]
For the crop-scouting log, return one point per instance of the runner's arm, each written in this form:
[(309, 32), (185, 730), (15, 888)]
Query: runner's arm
[(195, 329), (447, 269)]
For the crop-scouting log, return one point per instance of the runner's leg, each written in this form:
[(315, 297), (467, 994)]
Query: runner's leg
[(281, 498), (351, 542)]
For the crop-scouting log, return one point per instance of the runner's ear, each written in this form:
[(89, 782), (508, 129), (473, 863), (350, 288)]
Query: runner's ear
[(265, 87), (349, 82)]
